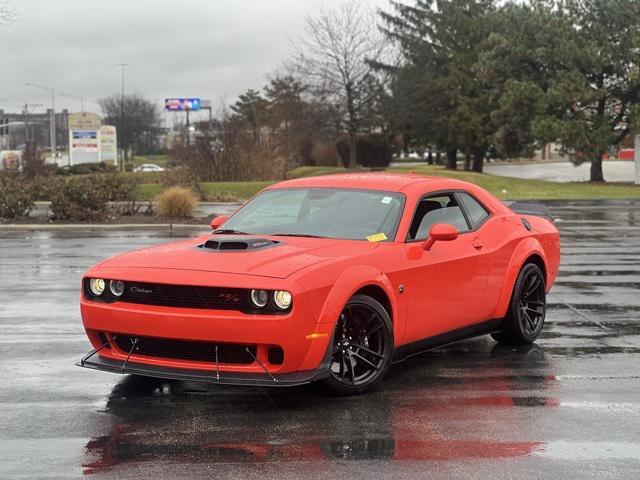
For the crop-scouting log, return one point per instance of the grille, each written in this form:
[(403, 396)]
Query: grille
[(187, 350), (187, 296)]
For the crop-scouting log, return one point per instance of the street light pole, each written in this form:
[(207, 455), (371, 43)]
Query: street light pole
[(123, 66), (68, 95), (52, 121)]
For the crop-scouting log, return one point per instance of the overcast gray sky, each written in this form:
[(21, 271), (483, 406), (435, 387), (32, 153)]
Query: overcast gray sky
[(200, 48)]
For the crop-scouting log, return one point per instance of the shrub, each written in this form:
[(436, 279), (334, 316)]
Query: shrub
[(325, 154), (33, 164), (123, 188), (43, 188), (183, 177), (16, 196), (85, 197), (119, 187), (87, 168), (130, 209), (80, 198), (176, 202)]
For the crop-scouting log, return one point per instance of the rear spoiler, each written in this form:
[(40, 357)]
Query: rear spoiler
[(536, 209)]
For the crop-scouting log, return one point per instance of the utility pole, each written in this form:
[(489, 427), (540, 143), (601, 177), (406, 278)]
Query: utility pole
[(121, 134), (27, 135), (53, 125), (188, 132), (52, 121)]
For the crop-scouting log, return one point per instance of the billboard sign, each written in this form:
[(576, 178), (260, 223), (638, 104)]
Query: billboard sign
[(181, 104)]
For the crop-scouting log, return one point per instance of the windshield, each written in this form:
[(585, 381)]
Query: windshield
[(324, 212)]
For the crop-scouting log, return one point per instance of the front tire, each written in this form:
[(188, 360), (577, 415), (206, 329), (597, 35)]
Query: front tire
[(527, 309), (362, 347)]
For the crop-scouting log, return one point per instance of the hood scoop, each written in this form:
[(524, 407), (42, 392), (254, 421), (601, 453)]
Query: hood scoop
[(235, 243)]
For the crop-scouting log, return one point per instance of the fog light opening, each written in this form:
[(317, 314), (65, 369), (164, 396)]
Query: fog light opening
[(276, 355)]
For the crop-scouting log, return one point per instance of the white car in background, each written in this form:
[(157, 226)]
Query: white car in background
[(148, 167)]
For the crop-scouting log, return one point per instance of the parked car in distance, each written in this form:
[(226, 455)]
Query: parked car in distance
[(148, 167), (325, 279)]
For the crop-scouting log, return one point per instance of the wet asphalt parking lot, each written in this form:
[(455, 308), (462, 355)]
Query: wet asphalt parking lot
[(566, 407)]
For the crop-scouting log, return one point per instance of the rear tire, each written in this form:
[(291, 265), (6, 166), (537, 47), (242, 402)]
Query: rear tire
[(526, 313), (362, 348)]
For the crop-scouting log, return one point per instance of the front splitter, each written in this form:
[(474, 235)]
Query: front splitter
[(222, 377)]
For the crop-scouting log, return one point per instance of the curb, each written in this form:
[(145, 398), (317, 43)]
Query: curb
[(98, 226), (46, 203)]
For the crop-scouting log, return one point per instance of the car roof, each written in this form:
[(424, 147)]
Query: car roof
[(411, 184), (394, 182)]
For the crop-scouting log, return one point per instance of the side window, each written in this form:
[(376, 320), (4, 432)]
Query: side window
[(475, 211), (440, 208)]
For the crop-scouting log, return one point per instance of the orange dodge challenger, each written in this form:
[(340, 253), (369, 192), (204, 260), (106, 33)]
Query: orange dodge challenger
[(327, 279)]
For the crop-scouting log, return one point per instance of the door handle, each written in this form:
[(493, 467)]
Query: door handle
[(476, 243)]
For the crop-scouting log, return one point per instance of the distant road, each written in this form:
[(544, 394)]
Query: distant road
[(614, 171)]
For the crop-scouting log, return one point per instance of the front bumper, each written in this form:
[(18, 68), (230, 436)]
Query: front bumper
[(305, 342)]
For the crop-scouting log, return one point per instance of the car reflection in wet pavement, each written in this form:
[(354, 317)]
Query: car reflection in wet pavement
[(566, 407)]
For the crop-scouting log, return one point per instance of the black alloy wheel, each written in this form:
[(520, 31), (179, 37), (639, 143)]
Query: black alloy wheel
[(527, 309), (532, 303), (362, 347)]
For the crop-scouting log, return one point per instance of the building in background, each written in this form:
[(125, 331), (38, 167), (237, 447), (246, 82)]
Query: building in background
[(17, 129)]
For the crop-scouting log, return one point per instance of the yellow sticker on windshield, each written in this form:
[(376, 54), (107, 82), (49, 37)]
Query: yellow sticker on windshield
[(377, 237)]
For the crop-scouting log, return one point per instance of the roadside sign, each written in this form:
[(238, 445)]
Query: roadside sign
[(108, 144), (84, 146), (85, 141), (10, 159), (637, 158), (84, 121)]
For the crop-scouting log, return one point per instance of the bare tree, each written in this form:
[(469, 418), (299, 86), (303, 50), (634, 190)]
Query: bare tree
[(7, 14), (336, 56), (137, 120)]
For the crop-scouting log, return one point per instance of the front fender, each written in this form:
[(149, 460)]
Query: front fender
[(527, 247), (348, 283)]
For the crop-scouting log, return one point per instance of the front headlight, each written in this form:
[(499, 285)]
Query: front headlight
[(282, 299), (97, 286), (259, 298), (116, 287)]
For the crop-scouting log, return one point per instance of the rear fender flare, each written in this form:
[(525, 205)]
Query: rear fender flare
[(527, 247)]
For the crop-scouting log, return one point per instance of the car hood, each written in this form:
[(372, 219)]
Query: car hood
[(289, 256)]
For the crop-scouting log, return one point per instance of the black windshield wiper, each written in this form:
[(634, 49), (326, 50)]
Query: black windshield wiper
[(296, 235), (229, 231)]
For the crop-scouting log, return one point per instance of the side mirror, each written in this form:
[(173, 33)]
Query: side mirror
[(219, 220), (442, 232)]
